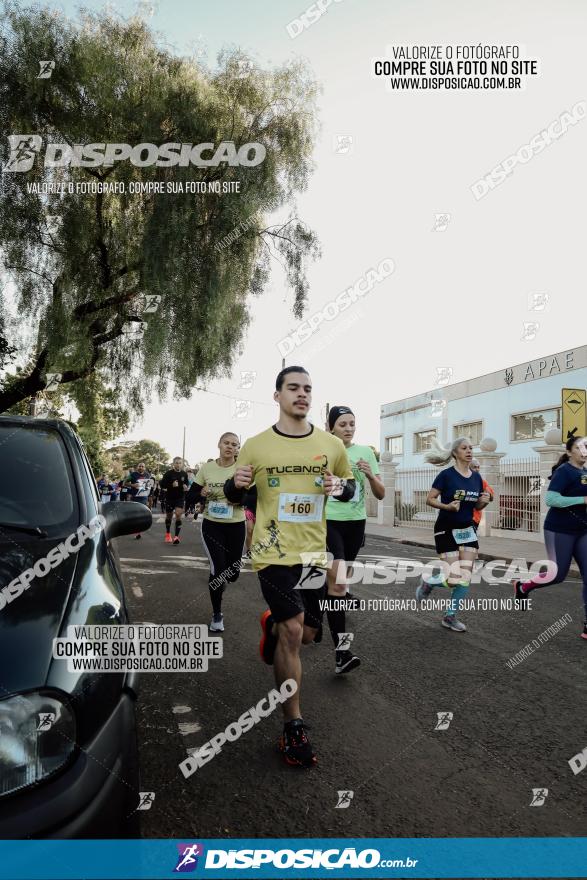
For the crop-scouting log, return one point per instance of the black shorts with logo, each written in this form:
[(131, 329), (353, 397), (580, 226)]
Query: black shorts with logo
[(290, 590), (445, 540)]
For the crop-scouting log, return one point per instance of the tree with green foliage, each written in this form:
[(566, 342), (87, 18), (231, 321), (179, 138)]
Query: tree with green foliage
[(156, 458), (91, 268), (46, 404), (101, 417)]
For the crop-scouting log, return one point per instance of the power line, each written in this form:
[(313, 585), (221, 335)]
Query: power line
[(229, 397)]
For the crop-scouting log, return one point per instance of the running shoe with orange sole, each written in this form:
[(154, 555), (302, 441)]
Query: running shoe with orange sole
[(168, 538), (295, 746)]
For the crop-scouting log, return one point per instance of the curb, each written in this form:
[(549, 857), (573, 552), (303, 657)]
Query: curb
[(485, 556)]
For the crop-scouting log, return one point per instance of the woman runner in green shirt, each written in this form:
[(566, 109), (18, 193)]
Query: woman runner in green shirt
[(345, 530)]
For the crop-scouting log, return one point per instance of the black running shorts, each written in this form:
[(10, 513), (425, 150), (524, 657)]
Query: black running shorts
[(445, 541), (173, 502), (290, 590), (345, 539)]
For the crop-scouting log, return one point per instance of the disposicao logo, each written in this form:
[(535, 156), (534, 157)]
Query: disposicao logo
[(25, 147), (188, 857), (328, 859)]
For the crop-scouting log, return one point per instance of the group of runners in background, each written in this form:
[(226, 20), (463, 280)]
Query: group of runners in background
[(139, 485), (292, 502)]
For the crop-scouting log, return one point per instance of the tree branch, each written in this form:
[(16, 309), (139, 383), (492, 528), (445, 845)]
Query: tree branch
[(24, 387), (27, 269), (89, 308), (28, 386), (74, 375)]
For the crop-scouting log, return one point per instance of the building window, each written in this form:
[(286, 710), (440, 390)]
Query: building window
[(423, 440), (473, 430), (534, 425), (395, 445)]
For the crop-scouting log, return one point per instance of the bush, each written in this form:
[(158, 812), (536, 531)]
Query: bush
[(405, 511)]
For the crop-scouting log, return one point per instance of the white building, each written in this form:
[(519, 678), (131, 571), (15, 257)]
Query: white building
[(515, 406)]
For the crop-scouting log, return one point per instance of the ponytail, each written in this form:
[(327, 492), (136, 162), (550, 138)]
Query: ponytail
[(441, 455), (571, 440), (562, 460)]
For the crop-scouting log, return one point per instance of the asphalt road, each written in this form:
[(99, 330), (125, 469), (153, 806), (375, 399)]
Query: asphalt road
[(373, 730)]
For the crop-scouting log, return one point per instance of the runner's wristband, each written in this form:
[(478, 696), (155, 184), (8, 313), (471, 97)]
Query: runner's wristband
[(194, 495), (232, 494)]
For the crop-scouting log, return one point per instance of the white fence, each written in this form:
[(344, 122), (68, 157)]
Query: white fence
[(519, 496), (516, 504), (411, 488)]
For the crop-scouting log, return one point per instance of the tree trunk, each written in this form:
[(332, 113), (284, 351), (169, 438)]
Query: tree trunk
[(28, 386)]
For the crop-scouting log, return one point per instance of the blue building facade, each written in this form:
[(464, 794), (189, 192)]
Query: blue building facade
[(515, 406)]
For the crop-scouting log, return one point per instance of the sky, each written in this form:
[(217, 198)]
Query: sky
[(387, 163)]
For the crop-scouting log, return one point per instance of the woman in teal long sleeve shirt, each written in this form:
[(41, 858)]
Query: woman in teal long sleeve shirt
[(565, 526)]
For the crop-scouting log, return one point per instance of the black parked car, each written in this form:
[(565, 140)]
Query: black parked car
[(68, 750)]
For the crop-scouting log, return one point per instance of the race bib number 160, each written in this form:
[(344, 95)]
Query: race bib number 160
[(300, 508)]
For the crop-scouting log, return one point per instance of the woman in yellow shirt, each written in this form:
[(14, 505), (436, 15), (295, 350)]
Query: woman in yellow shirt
[(223, 524)]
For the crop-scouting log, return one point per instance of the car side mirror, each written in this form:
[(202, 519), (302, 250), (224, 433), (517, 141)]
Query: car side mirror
[(125, 519)]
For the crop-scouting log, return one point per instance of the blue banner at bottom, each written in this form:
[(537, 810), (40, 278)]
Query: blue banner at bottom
[(294, 857)]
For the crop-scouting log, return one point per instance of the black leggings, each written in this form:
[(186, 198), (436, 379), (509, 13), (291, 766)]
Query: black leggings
[(224, 546), (562, 548), (343, 540)]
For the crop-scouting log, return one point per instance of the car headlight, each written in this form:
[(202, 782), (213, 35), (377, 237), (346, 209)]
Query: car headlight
[(37, 737)]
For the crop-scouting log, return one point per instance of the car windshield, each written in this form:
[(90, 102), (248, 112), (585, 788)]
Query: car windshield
[(36, 484)]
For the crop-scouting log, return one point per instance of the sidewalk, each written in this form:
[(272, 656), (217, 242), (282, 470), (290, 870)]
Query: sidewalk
[(489, 548)]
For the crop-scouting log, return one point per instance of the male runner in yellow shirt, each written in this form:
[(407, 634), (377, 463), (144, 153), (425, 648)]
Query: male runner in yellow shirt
[(294, 466)]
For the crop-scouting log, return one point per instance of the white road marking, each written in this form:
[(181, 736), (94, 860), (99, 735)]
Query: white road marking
[(147, 570), (381, 556), (188, 727), (130, 559), (194, 564), (138, 592), (176, 556), (166, 559), (197, 563)]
